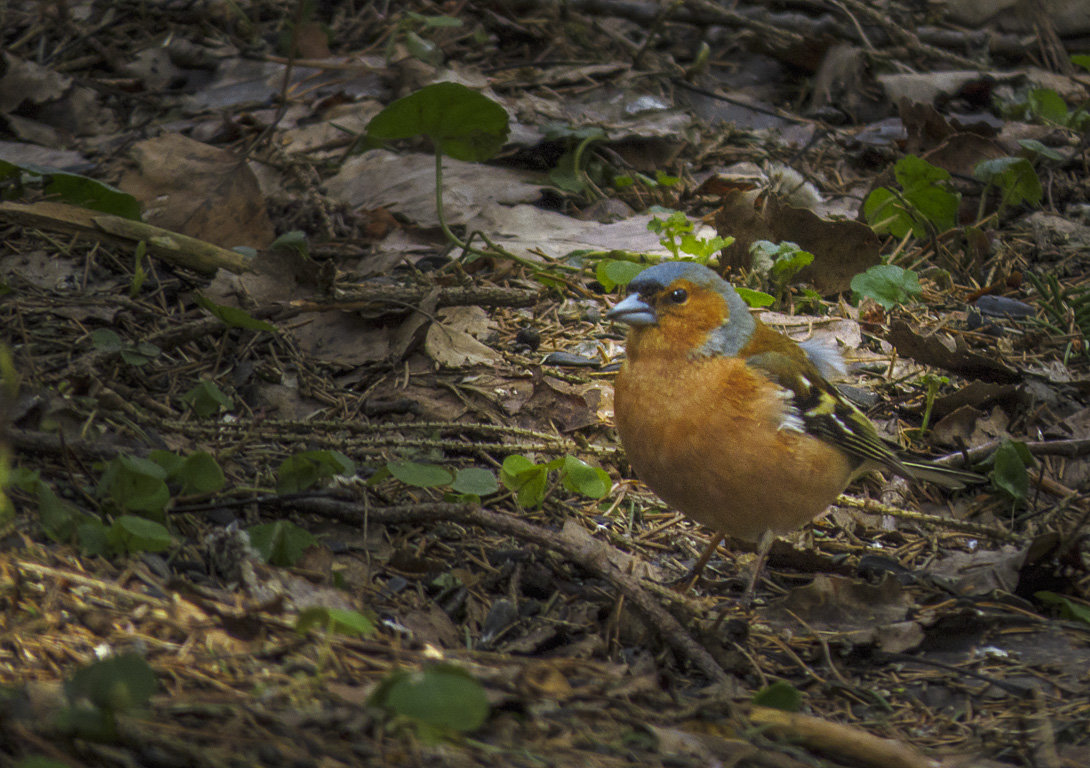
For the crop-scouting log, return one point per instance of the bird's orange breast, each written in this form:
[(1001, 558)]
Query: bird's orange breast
[(704, 434)]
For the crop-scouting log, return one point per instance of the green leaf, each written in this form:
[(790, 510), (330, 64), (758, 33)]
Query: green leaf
[(206, 399), (117, 684), (477, 481), (887, 284), (779, 695), (1015, 178), (233, 317), (169, 461), (419, 475), (926, 188), (423, 49), (57, 517), (754, 298), (460, 122), (1043, 150), (281, 543), (1048, 105), (140, 354), (199, 473), (526, 479), (1081, 60), (130, 533), (92, 536), (703, 248), (675, 224), (613, 272), (79, 190), (336, 620), (305, 469), (565, 176), (135, 484), (295, 240), (580, 477), (25, 479), (106, 340), (886, 212), (1008, 472), (787, 258), (1069, 609), (441, 696)]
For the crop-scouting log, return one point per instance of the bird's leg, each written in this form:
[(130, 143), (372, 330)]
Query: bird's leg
[(764, 546), (694, 573)]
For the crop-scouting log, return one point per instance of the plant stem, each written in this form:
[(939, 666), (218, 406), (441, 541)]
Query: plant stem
[(439, 201)]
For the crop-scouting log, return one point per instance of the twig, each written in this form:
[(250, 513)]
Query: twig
[(658, 619), (977, 529)]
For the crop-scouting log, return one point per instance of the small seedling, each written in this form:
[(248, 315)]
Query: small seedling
[(1015, 179), (778, 263), (459, 123), (280, 543), (887, 284), (307, 468), (925, 202), (529, 480)]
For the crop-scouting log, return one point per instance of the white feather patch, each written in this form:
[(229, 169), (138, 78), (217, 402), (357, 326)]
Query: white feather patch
[(790, 418)]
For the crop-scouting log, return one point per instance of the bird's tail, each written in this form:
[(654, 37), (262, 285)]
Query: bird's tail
[(947, 477)]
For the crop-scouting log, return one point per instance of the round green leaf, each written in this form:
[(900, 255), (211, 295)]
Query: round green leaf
[(201, 474), (779, 695), (136, 484), (206, 399), (582, 478), (106, 340), (116, 684), (887, 284), (461, 123), (280, 543), (613, 272), (475, 480), (130, 533), (419, 475), (442, 696)]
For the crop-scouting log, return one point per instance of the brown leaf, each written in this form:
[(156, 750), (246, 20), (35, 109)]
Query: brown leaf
[(930, 350), (865, 613), (842, 249), (568, 406), (199, 190)]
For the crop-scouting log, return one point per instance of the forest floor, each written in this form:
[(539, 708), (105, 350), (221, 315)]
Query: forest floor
[(351, 494)]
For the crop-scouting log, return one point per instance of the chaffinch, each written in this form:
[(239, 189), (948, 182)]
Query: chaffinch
[(731, 422)]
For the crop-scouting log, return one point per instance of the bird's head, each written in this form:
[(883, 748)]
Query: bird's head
[(683, 307)]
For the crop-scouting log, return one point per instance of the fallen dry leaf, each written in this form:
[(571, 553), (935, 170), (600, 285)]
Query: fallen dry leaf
[(199, 190)]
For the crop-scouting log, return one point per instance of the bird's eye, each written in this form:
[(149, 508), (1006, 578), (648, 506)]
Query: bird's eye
[(678, 296)]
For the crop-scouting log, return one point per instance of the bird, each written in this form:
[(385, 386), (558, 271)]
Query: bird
[(733, 423)]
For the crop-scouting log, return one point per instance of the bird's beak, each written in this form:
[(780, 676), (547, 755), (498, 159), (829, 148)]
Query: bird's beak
[(633, 311)]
